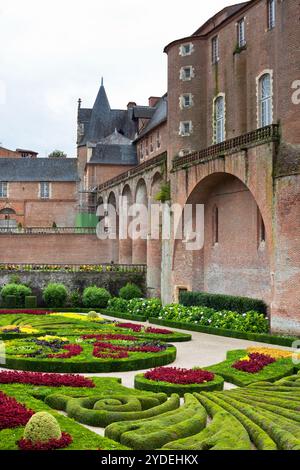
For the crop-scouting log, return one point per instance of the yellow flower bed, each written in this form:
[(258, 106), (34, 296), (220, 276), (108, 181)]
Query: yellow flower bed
[(75, 316), (52, 338), (276, 353), (23, 329)]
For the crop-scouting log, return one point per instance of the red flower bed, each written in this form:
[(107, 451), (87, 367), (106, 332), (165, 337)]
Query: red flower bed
[(256, 364), (158, 331), (12, 413), (179, 376), (53, 444), (111, 337), (22, 312), (100, 354), (130, 326), (116, 348), (49, 380), (73, 350)]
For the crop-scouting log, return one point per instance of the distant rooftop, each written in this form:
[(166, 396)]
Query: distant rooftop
[(38, 169)]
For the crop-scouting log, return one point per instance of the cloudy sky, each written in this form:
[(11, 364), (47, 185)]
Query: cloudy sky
[(54, 51)]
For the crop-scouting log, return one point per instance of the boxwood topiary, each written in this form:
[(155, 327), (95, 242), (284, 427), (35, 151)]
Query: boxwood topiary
[(95, 297), (42, 427), (18, 290), (130, 291)]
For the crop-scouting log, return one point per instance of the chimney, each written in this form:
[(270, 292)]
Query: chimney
[(131, 105), (153, 100)]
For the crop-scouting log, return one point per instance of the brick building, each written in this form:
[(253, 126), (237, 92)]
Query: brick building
[(226, 135)]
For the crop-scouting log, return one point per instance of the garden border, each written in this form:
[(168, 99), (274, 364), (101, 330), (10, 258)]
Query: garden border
[(141, 383)]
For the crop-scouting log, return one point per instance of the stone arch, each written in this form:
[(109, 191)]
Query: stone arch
[(139, 252), (113, 226), (8, 218), (238, 264), (125, 243)]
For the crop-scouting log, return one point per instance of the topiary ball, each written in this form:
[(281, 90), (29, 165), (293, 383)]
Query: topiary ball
[(42, 427), (93, 315)]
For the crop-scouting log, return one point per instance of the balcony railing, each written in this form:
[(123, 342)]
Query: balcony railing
[(12, 267), (262, 135), (155, 161), (48, 230)]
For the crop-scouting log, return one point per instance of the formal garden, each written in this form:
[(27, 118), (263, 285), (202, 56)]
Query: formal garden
[(58, 360)]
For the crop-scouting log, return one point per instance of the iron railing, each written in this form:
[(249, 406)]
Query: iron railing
[(48, 230), (105, 267), (155, 161), (262, 135)]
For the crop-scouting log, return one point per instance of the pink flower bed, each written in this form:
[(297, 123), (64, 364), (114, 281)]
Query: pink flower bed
[(179, 376), (256, 364), (12, 413), (48, 380), (53, 444), (72, 351)]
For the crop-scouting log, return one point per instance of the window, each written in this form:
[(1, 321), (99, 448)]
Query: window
[(186, 49), (44, 190), (3, 190), (151, 145), (185, 128), (241, 33), (271, 14), (265, 101), (215, 225), (186, 73), (219, 112), (215, 50), (186, 100), (261, 228), (158, 140), (147, 148)]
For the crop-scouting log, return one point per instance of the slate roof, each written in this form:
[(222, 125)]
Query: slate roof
[(160, 115), (114, 154), (38, 169)]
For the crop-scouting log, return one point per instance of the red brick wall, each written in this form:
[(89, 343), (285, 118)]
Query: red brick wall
[(40, 249), (146, 141)]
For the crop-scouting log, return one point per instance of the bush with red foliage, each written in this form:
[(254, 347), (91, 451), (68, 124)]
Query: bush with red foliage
[(24, 312), (158, 331), (112, 336), (48, 380), (256, 364), (179, 376), (12, 413), (53, 444), (130, 326), (73, 350)]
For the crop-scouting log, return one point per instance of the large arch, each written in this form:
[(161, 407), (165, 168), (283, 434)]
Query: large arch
[(125, 243), (154, 245), (113, 227), (139, 249), (235, 258)]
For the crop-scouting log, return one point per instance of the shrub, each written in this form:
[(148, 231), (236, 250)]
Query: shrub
[(222, 302), (18, 290), (11, 301), (95, 297), (75, 298), (42, 427), (118, 305), (130, 291), (30, 301), (55, 295)]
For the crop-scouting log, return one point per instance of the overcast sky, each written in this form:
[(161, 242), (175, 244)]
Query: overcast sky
[(54, 51)]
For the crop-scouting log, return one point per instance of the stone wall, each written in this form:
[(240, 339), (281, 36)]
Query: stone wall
[(113, 281)]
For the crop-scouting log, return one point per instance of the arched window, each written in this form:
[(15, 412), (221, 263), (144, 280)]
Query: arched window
[(265, 100), (215, 225), (219, 113)]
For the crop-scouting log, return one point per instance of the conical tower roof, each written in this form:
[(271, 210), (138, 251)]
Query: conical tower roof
[(101, 115)]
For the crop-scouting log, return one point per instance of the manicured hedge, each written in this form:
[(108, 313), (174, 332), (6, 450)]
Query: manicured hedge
[(155, 432), (222, 302), (125, 316), (90, 366), (115, 408), (141, 383), (258, 337)]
